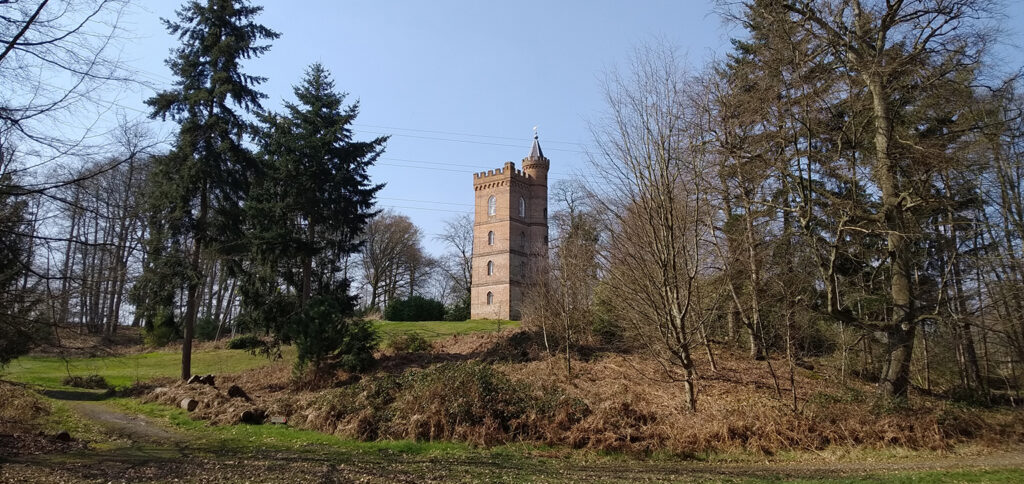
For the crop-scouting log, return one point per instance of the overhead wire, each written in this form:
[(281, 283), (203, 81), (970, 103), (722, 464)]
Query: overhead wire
[(511, 138), (425, 201), (466, 141)]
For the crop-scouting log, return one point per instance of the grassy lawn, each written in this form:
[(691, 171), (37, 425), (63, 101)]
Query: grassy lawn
[(49, 371), (433, 330)]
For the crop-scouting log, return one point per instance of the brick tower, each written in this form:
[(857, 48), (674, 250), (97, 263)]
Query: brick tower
[(510, 234)]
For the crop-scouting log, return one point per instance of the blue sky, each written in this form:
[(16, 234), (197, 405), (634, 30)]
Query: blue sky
[(460, 84)]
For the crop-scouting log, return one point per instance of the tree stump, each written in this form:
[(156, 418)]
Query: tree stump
[(189, 404)]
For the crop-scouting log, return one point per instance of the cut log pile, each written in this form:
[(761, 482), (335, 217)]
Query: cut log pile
[(204, 401)]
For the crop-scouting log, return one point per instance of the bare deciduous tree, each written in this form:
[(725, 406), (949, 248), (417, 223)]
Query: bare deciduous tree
[(652, 171), (392, 258)]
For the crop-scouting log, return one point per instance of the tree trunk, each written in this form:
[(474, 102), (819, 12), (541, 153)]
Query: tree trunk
[(899, 332), (194, 282), (307, 267)]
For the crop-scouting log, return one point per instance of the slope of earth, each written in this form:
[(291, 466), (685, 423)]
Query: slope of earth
[(745, 429), (165, 445)]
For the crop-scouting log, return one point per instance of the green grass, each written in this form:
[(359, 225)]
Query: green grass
[(63, 418), (433, 330), (49, 371), (279, 437)]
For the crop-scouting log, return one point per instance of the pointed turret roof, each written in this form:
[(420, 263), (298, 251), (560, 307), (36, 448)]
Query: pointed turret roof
[(535, 151)]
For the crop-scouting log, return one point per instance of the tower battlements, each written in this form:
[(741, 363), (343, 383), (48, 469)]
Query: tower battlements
[(508, 171)]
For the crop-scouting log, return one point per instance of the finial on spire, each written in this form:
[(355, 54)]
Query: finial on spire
[(535, 152)]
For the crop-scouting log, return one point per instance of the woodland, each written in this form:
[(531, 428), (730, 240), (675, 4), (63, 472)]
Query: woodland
[(815, 240)]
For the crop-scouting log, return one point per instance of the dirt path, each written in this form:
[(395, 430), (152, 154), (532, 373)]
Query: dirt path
[(132, 427), (117, 423)]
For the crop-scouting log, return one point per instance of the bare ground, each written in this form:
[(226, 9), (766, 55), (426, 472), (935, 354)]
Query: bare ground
[(144, 463)]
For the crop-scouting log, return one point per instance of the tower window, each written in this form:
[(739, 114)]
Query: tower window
[(522, 269), (492, 205), (490, 238), (522, 240), (522, 207), (490, 267), (490, 297)]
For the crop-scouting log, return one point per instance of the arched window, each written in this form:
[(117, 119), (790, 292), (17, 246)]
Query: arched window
[(545, 213), (522, 240), (490, 238), (490, 267), (522, 269), (522, 207), (490, 298), (492, 205)]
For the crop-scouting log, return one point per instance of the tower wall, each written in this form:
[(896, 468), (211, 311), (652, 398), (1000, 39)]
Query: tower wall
[(519, 239)]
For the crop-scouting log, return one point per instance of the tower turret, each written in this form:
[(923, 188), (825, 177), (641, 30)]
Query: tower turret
[(535, 164)]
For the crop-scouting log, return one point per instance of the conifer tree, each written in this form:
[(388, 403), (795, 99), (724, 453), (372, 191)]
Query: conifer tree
[(17, 330), (306, 212), (206, 176)]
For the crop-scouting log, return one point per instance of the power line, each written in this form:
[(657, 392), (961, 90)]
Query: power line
[(461, 134), (426, 201), (419, 167), (466, 141), (426, 208), (475, 168)]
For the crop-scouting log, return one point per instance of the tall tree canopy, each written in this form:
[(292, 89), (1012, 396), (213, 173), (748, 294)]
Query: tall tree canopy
[(205, 178), (872, 115), (306, 213)]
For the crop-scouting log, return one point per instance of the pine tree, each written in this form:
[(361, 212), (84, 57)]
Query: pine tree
[(18, 330), (206, 176), (306, 213)]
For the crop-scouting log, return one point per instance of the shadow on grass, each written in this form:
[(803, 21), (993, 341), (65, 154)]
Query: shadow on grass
[(75, 395)]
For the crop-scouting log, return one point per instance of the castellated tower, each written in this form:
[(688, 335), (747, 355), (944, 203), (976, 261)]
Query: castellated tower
[(510, 234)]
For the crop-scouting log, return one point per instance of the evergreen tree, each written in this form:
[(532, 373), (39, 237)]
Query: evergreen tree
[(18, 329), (305, 215), (205, 178)]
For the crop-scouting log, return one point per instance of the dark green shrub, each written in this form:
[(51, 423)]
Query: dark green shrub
[(92, 381), (409, 343), (458, 311), (206, 329), (415, 308), (18, 339), (246, 342), (327, 336), (162, 329)]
